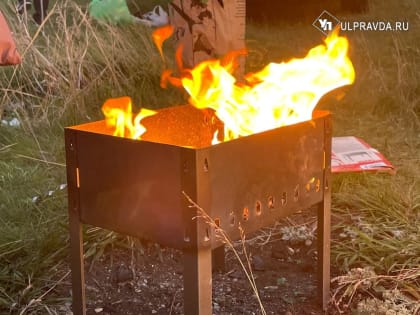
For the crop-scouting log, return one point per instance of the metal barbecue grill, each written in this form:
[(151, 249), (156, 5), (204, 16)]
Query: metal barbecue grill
[(136, 188)]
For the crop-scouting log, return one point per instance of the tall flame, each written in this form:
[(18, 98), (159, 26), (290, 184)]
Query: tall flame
[(162, 34), (118, 114), (280, 94)]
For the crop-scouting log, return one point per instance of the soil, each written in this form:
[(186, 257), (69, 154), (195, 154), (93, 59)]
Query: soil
[(148, 279)]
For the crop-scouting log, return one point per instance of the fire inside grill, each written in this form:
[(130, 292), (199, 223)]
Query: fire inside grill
[(280, 94), (250, 178)]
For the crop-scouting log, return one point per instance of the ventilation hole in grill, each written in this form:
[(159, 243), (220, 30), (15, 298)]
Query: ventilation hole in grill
[(284, 198), (186, 236), (258, 207), (245, 214), (232, 220), (77, 178), (206, 165), (310, 184), (296, 193), (318, 185), (207, 237), (270, 202), (217, 222)]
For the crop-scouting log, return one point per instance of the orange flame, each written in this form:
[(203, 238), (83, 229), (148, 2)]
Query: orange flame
[(281, 94), (118, 114), (160, 35)]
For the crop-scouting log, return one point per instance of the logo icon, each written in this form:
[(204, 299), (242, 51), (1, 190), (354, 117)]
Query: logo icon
[(326, 22)]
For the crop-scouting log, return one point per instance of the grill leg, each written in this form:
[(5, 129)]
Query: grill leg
[(197, 282), (76, 265), (218, 256), (324, 236)]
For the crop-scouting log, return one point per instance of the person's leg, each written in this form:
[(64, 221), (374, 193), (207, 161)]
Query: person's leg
[(41, 7), (23, 5)]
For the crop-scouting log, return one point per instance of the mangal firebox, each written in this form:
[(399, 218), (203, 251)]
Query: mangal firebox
[(138, 188)]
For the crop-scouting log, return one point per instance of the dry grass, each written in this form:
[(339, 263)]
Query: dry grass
[(71, 64)]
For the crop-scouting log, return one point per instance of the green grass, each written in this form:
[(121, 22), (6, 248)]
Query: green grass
[(33, 235), (71, 67)]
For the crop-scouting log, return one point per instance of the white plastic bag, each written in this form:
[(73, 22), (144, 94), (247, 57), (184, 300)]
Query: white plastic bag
[(157, 17)]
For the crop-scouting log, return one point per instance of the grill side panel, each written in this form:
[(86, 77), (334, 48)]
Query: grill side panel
[(132, 187), (256, 180)]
